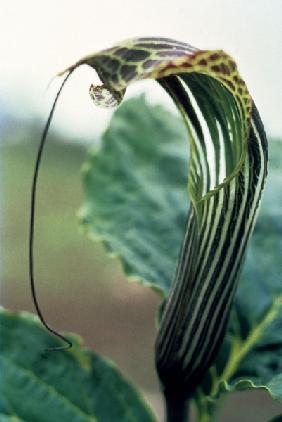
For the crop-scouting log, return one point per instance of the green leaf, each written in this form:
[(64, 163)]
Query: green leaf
[(275, 387), (136, 201), (75, 385)]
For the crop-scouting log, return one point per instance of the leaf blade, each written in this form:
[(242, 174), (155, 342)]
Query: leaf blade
[(113, 211), (76, 385)]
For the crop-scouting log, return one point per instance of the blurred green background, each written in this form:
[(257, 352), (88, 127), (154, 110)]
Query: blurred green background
[(79, 288)]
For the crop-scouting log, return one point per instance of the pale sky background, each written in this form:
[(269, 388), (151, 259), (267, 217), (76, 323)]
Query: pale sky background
[(39, 38)]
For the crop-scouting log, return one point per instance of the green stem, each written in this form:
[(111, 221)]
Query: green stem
[(241, 348), (177, 409), (206, 412)]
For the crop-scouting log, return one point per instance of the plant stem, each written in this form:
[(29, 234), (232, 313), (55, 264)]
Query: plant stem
[(241, 348), (177, 409)]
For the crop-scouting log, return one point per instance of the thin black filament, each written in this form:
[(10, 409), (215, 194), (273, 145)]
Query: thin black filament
[(31, 226)]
